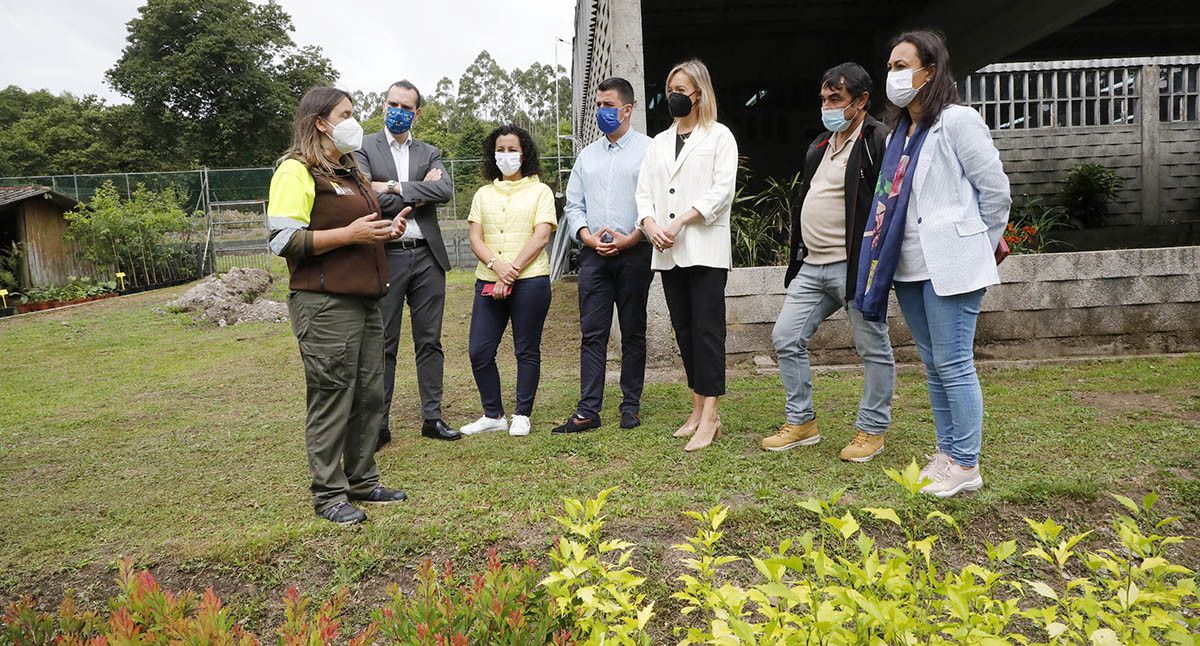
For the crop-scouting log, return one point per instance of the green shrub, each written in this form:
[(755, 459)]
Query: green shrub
[(1086, 192), (593, 587), (835, 584), (149, 237), (10, 267), (77, 288), (1030, 225), (761, 223)]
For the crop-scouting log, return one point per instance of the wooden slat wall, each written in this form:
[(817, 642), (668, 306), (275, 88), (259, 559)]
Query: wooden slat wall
[(49, 258), (1037, 159), (1179, 152)]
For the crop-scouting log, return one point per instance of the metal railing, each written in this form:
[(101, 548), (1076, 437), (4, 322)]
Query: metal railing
[(1013, 96)]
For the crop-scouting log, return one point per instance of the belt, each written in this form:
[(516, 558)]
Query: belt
[(411, 243)]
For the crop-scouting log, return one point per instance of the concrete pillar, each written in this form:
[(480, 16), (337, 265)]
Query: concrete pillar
[(1151, 162), (628, 60)]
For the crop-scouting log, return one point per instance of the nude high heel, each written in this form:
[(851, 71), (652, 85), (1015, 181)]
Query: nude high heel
[(699, 441), (685, 431)]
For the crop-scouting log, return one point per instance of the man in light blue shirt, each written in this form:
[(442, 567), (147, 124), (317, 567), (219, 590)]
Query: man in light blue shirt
[(614, 264)]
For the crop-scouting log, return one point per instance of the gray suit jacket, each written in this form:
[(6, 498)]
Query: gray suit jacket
[(375, 159)]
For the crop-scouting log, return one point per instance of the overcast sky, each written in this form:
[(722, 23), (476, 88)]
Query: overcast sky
[(67, 45)]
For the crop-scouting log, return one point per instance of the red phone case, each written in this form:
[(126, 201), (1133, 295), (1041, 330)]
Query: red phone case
[(487, 289)]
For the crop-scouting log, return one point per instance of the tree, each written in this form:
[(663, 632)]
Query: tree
[(369, 105), (217, 81), (60, 135), (485, 90)]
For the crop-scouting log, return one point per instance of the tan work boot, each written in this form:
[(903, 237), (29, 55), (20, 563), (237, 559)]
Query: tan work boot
[(790, 436), (863, 447)]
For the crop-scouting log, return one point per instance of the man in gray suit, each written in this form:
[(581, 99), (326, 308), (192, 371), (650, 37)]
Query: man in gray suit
[(406, 172)]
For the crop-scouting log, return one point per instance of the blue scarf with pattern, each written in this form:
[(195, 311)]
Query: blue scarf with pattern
[(881, 242)]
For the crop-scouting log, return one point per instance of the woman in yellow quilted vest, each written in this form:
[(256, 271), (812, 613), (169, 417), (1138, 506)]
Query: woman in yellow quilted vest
[(511, 220)]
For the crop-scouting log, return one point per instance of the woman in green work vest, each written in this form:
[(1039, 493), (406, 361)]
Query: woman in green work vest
[(324, 219)]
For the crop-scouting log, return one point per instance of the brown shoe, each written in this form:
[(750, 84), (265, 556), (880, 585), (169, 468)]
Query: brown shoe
[(702, 439), (863, 447), (790, 436)]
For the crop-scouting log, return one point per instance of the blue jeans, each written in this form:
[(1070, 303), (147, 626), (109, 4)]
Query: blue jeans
[(813, 296), (943, 327)]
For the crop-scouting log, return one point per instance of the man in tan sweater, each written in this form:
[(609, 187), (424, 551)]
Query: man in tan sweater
[(840, 171)]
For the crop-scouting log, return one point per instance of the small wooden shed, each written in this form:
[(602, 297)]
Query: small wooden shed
[(33, 217)]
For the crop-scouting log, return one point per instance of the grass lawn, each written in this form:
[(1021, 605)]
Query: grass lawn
[(124, 431)]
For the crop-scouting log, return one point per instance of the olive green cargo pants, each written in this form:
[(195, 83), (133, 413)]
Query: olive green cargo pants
[(341, 344)]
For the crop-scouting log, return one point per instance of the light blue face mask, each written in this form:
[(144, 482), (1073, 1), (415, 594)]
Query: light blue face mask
[(835, 119)]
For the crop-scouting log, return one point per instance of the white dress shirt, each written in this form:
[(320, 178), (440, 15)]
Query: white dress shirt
[(600, 192), (400, 156)]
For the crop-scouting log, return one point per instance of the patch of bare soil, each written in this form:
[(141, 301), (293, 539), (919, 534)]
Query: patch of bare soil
[(232, 298), (1118, 405)]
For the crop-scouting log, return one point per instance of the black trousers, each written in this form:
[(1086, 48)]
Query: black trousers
[(526, 306), (696, 300), (416, 278), (622, 280)]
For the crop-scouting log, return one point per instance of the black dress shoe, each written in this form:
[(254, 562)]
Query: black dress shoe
[(383, 496), (577, 424), (439, 430), (630, 419), (385, 436)]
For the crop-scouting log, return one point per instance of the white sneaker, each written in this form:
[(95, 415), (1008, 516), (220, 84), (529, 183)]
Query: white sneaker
[(952, 479), (485, 424), (520, 426), (936, 462)]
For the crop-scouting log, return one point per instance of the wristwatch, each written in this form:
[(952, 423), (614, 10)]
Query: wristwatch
[(392, 185), (492, 262)]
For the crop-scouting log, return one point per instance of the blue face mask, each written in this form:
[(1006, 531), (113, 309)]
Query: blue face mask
[(399, 120), (835, 120), (609, 120)]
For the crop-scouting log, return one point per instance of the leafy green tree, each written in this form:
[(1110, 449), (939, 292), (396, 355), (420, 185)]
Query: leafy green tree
[(60, 135), (217, 81), (16, 103), (485, 90), (369, 106)]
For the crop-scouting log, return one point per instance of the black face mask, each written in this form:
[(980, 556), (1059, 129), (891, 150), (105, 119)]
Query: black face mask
[(680, 105)]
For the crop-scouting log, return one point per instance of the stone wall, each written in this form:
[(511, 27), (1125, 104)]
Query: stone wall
[(1130, 301)]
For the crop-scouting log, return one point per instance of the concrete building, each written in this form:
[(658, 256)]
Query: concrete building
[(1059, 82), (766, 57)]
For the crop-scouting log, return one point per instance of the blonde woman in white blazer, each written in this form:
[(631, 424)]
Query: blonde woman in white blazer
[(684, 194), (956, 215)]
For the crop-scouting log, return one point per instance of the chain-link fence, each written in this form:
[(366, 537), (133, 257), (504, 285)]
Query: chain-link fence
[(233, 202)]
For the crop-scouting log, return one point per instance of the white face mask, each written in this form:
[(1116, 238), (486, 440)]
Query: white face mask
[(508, 163), (347, 136), (900, 90)]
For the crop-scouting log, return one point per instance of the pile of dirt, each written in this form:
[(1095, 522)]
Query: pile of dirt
[(232, 298)]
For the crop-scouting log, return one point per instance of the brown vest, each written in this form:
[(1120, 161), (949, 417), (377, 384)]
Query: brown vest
[(355, 270)]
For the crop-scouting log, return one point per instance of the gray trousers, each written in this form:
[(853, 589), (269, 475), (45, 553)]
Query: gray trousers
[(415, 277), (813, 296), (341, 344)]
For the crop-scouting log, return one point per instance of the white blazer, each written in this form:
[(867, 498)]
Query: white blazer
[(703, 177), (962, 199)]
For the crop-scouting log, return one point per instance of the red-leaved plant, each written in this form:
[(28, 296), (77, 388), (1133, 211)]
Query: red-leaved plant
[(144, 613), (502, 606)]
